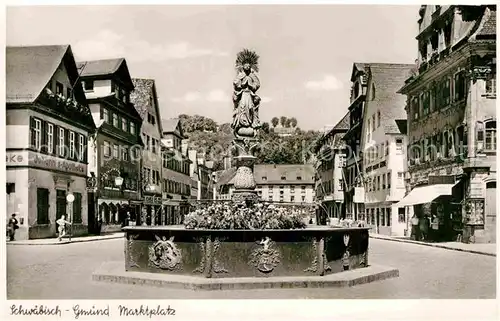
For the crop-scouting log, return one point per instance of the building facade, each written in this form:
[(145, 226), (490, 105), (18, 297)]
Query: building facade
[(451, 107), (48, 125), (330, 161), (145, 100), (115, 149), (353, 170), (383, 144), (175, 174)]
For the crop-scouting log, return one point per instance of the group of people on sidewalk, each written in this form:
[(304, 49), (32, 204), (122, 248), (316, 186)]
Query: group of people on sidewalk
[(426, 229)]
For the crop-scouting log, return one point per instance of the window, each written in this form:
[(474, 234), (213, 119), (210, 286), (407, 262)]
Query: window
[(105, 115), (271, 189), (132, 128), (303, 198), (153, 145), (88, 85), (378, 119), (292, 189), (115, 120), (490, 135), (71, 144), (59, 88), (270, 198), (283, 178), (61, 141), (373, 91), (42, 206), (389, 180), (373, 122), (491, 85), (77, 208), (124, 124), (341, 184), (401, 215), (264, 178), (388, 211), (36, 133), (459, 86), (282, 187), (115, 151), (445, 91), (415, 108), (303, 189), (299, 178), (81, 146), (383, 181), (50, 138), (292, 198), (125, 153), (386, 148), (107, 149)]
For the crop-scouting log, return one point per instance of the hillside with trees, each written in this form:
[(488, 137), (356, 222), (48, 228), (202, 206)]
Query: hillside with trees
[(214, 140)]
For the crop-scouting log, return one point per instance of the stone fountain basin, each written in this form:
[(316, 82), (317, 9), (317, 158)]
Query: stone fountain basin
[(313, 251)]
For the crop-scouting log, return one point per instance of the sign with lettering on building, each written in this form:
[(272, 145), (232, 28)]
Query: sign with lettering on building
[(58, 164), (16, 158)]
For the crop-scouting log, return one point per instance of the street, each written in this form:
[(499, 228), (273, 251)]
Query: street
[(65, 272)]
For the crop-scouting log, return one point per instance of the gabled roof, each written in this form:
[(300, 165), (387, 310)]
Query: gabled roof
[(224, 177), (144, 89), (100, 67), (489, 25), (170, 126), (104, 67), (386, 80), (30, 68), (356, 67)]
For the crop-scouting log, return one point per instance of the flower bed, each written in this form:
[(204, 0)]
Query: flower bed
[(238, 216)]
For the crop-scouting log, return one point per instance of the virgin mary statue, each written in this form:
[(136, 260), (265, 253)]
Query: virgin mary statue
[(246, 102)]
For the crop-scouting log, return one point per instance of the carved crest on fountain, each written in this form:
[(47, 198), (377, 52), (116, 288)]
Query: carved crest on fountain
[(164, 254), (265, 258)]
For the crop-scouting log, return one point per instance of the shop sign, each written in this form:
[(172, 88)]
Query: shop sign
[(156, 200), (16, 158), (54, 163), (359, 195), (477, 189)]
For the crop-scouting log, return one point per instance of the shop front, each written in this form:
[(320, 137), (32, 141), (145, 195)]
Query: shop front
[(37, 186)]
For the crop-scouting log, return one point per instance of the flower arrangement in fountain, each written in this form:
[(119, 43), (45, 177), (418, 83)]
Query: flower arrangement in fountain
[(236, 215)]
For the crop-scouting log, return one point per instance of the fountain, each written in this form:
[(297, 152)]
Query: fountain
[(244, 243)]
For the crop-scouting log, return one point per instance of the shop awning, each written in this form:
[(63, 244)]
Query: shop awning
[(425, 194)]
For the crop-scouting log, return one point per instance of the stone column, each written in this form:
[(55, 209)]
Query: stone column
[(153, 216)]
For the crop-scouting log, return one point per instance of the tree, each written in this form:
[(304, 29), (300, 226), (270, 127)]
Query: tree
[(282, 121), (288, 123), (265, 127), (275, 121), (293, 122)]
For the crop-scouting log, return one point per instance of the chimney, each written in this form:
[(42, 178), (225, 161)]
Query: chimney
[(227, 162)]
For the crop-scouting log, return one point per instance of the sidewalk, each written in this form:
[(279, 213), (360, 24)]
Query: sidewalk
[(55, 241), (489, 249)]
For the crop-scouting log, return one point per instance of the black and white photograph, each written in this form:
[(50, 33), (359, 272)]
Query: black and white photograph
[(248, 151)]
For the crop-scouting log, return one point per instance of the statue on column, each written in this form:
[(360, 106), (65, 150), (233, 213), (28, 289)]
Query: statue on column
[(246, 102)]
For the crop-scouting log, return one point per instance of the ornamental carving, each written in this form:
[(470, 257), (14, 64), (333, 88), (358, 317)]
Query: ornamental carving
[(244, 178), (131, 259), (265, 258), (164, 254), (217, 266), (314, 264), (209, 254), (203, 252)]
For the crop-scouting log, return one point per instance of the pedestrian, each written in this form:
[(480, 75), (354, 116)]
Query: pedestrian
[(415, 235), (424, 228), (345, 260), (62, 226), (12, 226), (435, 228), (126, 220)]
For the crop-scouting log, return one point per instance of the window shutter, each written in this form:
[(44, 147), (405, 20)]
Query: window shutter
[(66, 142), (102, 113), (44, 137), (77, 147), (85, 149), (32, 130)]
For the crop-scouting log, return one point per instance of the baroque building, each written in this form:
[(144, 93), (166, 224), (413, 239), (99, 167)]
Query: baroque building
[(115, 149), (330, 161), (145, 100), (48, 125), (451, 108), (383, 144)]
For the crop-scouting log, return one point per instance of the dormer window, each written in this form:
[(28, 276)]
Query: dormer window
[(299, 178), (59, 88), (88, 85), (283, 178)]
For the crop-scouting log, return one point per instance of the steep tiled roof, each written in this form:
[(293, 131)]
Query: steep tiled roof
[(224, 177), (99, 67), (387, 79), (169, 125), (344, 123), (144, 90), (273, 173), (490, 25), (29, 69)]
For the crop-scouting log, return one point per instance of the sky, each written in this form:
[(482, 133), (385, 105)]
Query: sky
[(306, 51)]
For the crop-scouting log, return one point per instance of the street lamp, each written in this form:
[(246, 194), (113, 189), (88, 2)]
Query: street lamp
[(70, 198)]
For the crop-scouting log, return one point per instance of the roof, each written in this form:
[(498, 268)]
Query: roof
[(357, 66), (170, 125), (29, 70), (144, 90), (291, 172), (490, 25), (99, 67), (224, 177), (344, 123), (386, 80)]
